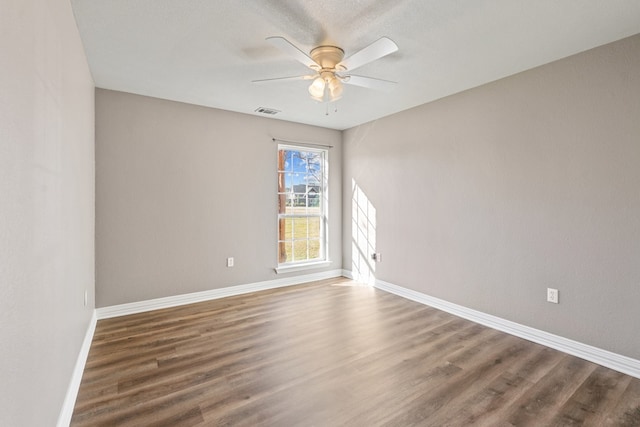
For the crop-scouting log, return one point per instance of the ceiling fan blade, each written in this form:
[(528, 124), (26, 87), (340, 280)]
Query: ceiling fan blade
[(376, 50), (289, 48), (280, 79), (369, 82)]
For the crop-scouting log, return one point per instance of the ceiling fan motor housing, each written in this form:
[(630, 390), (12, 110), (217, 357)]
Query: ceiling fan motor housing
[(327, 56)]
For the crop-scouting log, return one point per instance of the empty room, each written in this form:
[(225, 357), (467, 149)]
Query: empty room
[(336, 213)]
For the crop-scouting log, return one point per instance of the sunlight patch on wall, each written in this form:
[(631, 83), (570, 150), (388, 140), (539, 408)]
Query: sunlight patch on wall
[(363, 235)]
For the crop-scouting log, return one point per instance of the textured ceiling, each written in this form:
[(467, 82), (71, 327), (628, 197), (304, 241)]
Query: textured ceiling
[(207, 52)]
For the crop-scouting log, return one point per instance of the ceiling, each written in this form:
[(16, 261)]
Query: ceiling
[(207, 52)]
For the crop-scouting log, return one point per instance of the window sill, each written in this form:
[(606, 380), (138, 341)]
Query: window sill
[(302, 267)]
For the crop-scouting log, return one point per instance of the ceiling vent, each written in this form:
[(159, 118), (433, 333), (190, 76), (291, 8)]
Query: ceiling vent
[(265, 110)]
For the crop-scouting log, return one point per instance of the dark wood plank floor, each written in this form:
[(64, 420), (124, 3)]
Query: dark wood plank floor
[(332, 353)]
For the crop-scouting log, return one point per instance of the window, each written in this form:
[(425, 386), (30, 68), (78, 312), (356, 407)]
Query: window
[(302, 205)]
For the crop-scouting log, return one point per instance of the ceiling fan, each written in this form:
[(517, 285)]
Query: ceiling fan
[(331, 69)]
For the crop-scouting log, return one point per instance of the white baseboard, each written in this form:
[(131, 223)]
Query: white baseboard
[(64, 419), (348, 274), (173, 301), (615, 361)]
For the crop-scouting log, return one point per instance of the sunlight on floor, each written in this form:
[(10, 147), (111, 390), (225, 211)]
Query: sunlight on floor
[(352, 284)]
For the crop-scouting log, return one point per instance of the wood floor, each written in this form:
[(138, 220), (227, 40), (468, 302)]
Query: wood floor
[(332, 353)]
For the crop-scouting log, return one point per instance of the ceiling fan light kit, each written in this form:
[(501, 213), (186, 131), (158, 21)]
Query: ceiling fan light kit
[(331, 69), (326, 88)]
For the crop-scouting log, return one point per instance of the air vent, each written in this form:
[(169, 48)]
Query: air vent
[(265, 110)]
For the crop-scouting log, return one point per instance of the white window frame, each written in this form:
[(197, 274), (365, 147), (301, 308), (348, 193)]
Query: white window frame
[(323, 259)]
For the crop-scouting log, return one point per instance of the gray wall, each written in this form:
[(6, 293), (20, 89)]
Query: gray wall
[(46, 207), (179, 188), (488, 197)]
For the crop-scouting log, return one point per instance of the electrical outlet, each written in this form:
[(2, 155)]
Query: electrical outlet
[(552, 295), (230, 262)]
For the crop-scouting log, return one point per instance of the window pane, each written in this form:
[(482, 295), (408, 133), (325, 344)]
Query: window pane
[(300, 250), (300, 228), (285, 254), (314, 228), (314, 249), (292, 209), (285, 160), (284, 231), (285, 180)]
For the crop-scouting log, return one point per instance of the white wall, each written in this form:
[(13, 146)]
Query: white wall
[(46, 207), (488, 197), (180, 188)]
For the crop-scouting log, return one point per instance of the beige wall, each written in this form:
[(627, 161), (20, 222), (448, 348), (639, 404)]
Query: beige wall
[(46, 207), (488, 197), (179, 188), (484, 199)]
